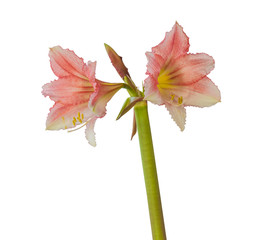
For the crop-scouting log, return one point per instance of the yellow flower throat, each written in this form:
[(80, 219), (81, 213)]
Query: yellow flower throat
[(165, 82)]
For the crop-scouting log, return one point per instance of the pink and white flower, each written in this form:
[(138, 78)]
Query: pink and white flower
[(79, 97), (177, 78)]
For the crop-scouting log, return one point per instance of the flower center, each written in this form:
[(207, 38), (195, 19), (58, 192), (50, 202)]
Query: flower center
[(164, 78), (166, 86)]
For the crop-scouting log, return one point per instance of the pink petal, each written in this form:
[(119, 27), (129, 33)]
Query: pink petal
[(188, 69), (89, 70), (178, 114), (155, 64), (90, 133), (151, 91), (69, 90), (63, 116), (175, 44), (203, 93), (65, 62), (103, 93)]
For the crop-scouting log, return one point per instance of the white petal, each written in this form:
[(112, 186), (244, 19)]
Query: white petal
[(178, 114), (90, 133)]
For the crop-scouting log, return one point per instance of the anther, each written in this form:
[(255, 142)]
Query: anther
[(79, 119), (180, 100)]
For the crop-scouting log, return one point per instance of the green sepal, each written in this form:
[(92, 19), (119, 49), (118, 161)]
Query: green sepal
[(128, 104)]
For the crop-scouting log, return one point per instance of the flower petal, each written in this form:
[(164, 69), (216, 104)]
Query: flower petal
[(69, 90), (65, 62), (89, 70), (155, 64), (175, 44), (151, 91), (187, 69), (90, 133), (103, 93), (178, 114), (203, 93), (63, 116)]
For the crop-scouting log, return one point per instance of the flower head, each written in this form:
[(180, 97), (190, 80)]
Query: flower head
[(79, 97), (177, 78)]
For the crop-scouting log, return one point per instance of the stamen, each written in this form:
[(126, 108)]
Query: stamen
[(79, 127), (79, 119), (172, 97), (180, 100), (82, 116)]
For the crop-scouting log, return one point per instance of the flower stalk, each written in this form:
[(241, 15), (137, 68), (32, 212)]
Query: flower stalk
[(150, 172)]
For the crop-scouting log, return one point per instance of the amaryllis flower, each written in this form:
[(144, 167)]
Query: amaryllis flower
[(79, 97), (177, 78)]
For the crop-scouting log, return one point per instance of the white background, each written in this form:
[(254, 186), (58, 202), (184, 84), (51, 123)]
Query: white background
[(55, 186)]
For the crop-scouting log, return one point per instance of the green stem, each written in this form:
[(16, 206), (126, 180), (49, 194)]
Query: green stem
[(150, 173)]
